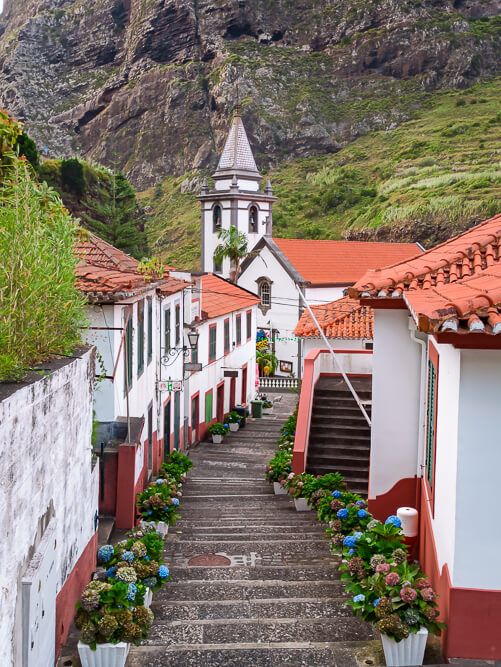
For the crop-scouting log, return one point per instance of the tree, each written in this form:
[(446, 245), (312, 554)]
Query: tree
[(234, 247)]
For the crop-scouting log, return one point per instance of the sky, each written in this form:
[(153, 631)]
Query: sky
[(1, 6)]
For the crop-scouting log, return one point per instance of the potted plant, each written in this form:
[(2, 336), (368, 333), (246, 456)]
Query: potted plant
[(217, 431), (300, 487), (278, 469), (399, 600), (233, 419), (176, 467), (158, 505), (111, 617)]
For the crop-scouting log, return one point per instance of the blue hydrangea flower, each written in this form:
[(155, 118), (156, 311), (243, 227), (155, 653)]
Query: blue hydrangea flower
[(131, 592), (357, 535), (376, 602), (175, 501), (111, 571), (336, 494), (128, 556), (394, 520), (147, 559), (105, 553), (226, 425), (166, 507), (149, 512), (342, 513), (351, 552), (159, 482), (360, 503), (350, 541), (361, 514), (163, 571), (359, 598)]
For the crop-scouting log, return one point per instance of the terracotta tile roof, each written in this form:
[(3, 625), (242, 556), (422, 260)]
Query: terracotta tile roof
[(220, 297), (340, 262), (455, 286), (344, 318), (105, 273)]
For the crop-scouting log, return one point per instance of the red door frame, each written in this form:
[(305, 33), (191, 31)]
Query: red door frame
[(244, 384), (220, 402), (233, 393), (195, 399)]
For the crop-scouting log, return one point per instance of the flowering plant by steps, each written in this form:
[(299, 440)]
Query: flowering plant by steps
[(176, 467), (279, 467), (113, 612), (378, 539), (396, 597), (218, 429), (159, 502), (313, 487), (232, 418)]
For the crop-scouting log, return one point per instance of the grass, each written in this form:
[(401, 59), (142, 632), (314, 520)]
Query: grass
[(425, 180)]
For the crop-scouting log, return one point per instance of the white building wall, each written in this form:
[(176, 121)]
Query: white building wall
[(478, 530), (445, 519), (46, 470), (318, 295), (395, 401), (337, 344)]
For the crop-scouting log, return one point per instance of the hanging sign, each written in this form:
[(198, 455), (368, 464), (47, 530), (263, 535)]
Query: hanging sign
[(170, 385)]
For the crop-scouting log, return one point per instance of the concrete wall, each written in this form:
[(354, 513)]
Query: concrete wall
[(47, 479), (310, 344), (395, 402)]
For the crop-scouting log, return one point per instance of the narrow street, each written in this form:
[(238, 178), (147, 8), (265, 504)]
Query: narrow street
[(253, 580)]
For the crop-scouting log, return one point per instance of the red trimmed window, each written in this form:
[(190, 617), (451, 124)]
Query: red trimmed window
[(431, 417), (249, 324), (238, 329), (226, 336), (212, 341)]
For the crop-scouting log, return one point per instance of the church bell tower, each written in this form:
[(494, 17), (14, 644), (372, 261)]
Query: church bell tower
[(236, 199)]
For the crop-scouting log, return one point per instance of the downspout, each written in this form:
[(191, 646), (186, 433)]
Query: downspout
[(422, 397), (300, 340)]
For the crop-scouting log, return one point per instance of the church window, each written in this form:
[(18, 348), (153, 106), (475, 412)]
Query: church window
[(265, 293), (253, 219), (217, 217)]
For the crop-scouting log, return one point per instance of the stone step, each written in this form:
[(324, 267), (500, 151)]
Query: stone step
[(245, 488), (297, 654), (247, 535), (292, 547), (250, 631), (320, 569), (340, 429), (256, 609), (340, 448), (247, 590), (337, 440), (326, 408), (309, 529), (342, 457)]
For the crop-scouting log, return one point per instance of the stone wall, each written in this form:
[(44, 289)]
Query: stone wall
[(47, 483)]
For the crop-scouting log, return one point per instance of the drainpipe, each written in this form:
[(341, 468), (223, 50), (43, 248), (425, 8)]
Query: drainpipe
[(300, 340), (422, 402)]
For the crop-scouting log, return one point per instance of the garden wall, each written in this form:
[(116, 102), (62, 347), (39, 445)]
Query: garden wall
[(48, 506)]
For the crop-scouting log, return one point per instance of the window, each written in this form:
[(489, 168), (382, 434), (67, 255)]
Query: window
[(226, 336), (212, 341), (431, 423), (238, 327), (249, 324), (253, 219), (218, 267), (140, 337), (217, 217), (178, 323), (167, 330), (265, 293), (150, 329), (208, 407), (128, 355)]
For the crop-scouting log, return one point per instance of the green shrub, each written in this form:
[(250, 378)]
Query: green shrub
[(41, 311), (27, 147), (72, 175)]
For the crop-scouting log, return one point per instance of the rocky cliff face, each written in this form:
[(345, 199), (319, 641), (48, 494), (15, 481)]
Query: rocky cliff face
[(148, 85)]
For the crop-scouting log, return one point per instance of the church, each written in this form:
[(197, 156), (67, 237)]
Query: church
[(278, 270)]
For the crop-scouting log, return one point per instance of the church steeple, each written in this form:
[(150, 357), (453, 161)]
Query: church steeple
[(237, 158)]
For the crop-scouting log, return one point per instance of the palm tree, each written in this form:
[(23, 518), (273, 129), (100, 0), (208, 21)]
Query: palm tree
[(234, 247)]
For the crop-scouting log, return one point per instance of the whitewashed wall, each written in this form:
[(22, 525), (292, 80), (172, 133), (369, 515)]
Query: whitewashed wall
[(45, 438), (395, 401), (337, 344)]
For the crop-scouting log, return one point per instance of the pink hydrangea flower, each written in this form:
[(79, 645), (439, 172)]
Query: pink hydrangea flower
[(392, 579), (428, 594), (408, 594), (383, 568), (422, 583)]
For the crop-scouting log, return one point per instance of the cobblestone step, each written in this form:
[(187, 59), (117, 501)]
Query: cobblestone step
[(321, 570)]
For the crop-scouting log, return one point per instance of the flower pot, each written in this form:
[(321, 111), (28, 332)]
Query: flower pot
[(268, 411), (234, 427), (302, 505), (160, 527), (278, 489), (217, 439), (148, 597), (409, 651), (105, 655)]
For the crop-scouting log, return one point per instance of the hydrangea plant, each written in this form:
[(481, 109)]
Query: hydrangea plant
[(159, 502)]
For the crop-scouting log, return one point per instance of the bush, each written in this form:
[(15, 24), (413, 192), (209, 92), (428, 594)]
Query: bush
[(159, 502), (41, 310), (176, 467), (27, 147), (218, 429), (72, 175)]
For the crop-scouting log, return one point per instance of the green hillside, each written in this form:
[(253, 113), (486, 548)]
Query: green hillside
[(424, 180)]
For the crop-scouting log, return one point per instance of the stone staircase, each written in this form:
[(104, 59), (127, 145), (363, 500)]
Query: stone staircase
[(340, 437), (253, 580)]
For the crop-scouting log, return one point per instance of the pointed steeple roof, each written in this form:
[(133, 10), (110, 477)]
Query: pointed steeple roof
[(237, 157)]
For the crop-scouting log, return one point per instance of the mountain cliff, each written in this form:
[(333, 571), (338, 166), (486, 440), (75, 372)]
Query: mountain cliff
[(147, 86)]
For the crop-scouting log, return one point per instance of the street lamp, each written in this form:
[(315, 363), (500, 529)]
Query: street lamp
[(174, 352)]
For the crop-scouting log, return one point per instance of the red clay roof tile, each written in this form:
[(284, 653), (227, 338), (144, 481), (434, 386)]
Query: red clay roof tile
[(344, 318), (341, 262), (220, 297)]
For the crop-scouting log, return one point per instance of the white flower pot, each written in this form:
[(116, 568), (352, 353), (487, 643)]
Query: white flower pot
[(278, 489), (409, 651), (302, 505), (105, 655), (217, 439), (234, 427), (268, 411), (148, 597), (160, 527)]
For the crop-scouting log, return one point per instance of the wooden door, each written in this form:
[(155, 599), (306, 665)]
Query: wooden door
[(220, 403), (233, 391), (195, 419)]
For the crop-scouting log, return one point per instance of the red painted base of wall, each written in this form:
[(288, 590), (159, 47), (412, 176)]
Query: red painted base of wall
[(69, 594), (403, 494)]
